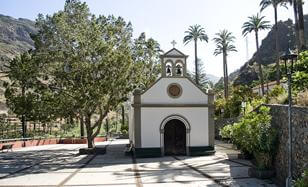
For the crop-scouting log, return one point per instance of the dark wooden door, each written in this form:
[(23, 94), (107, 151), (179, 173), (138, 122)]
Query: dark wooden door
[(175, 138)]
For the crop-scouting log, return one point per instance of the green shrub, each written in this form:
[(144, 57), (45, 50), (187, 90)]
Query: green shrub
[(226, 132), (124, 131), (253, 135), (302, 62), (278, 95), (299, 81), (277, 90), (124, 127), (302, 181)]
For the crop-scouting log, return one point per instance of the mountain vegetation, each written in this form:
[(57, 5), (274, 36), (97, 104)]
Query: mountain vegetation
[(247, 74)]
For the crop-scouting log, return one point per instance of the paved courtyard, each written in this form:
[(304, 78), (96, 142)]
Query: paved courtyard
[(60, 165)]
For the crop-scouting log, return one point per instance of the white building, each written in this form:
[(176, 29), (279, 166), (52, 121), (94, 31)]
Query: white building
[(173, 116)]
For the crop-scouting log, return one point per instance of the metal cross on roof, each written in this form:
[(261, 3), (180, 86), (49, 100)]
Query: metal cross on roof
[(173, 43)]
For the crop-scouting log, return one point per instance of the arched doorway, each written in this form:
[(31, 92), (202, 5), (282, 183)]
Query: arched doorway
[(175, 138)]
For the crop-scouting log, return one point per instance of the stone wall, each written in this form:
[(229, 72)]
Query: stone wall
[(221, 122), (299, 141)]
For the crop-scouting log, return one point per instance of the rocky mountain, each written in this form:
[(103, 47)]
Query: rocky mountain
[(15, 36), (14, 39), (248, 72)]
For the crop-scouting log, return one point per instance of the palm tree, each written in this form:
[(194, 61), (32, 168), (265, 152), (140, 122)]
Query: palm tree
[(299, 23), (256, 24), (224, 40), (274, 3), (195, 33)]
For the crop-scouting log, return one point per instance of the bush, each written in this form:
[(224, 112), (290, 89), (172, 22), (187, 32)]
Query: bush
[(124, 127), (302, 63), (303, 181), (254, 135), (278, 95), (277, 90), (299, 81), (226, 132)]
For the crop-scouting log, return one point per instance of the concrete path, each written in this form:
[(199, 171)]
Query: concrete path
[(60, 165)]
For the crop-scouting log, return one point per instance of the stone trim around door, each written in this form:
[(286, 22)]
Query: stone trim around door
[(137, 120), (162, 127), (211, 122)]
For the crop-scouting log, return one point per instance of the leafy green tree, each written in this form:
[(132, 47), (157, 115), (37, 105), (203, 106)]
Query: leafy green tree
[(256, 23), (87, 61), (224, 44), (195, 33), (146, 54), (22, 73), (275, 3)]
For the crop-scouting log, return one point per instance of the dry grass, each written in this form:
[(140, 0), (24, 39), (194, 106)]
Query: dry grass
[(302, 98)]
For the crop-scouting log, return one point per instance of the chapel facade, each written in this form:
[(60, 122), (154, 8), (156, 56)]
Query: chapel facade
[(173, 116)]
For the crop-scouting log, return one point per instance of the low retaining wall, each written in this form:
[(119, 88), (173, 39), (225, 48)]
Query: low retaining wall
[(299, 141), (30, 143)]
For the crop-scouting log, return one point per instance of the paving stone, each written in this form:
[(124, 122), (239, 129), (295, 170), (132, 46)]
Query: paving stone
[(34, 179), (102, 178), (61, 164)]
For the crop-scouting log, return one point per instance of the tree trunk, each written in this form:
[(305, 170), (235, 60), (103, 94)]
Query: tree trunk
[(123, 115), (225, 75), (81, 127), (90, 138), (23, 117), (277, 48), (107, 128), (98, 124), (296, 24), (196, 64), (259, 63), (301, 26)]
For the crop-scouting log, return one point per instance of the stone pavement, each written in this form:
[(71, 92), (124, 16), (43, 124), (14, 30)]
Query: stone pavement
[(60, 165)]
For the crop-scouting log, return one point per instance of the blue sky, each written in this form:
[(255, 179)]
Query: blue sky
[(167, 20)]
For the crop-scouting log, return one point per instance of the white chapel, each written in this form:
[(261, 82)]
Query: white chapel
[(173, 116)]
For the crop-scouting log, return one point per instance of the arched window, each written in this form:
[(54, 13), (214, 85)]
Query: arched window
[(168, 69), (179, 68)]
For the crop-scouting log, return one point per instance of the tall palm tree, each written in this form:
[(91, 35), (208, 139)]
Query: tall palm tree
[(274, 3), (299, 23), (224, 44), (256, 24), (195, 33), (294, 3)]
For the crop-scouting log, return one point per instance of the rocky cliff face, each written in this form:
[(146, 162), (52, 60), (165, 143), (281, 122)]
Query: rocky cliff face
[(248, 72), (15, 36)]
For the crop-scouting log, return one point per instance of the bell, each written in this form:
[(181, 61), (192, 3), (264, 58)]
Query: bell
[(168, 70), (178, 71)]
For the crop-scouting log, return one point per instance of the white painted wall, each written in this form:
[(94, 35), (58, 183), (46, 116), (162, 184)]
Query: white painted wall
[(157, 94), (151, 118)]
